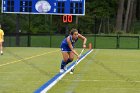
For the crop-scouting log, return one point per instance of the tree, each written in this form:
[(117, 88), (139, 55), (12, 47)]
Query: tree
[(119, 18), (138, 10), (131, 16), (101, 15), (127, 15)]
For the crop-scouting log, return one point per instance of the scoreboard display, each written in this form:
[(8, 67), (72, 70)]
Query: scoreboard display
[(57, 7)]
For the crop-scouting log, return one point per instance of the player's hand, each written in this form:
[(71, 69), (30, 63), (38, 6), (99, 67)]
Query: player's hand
[(84, 46), (78, 57)]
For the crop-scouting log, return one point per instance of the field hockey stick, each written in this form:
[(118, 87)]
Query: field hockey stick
[(77, 59), (79, 56)]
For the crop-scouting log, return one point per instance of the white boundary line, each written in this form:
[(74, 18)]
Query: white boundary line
[(48, 85)]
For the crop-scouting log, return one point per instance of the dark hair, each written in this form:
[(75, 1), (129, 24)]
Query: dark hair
[(73, 30)]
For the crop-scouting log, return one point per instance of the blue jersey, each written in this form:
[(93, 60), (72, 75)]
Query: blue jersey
[(64, 45)]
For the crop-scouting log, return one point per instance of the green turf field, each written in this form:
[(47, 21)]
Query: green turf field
[(23, 70)]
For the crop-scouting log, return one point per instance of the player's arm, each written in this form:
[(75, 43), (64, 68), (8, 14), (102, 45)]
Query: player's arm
[(71, 47), (84, 40)]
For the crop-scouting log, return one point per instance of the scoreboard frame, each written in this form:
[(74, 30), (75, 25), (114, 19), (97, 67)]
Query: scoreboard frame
[(61, 7)]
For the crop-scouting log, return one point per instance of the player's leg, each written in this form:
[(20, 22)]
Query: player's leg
[(64, 61), (71, 57), (1, 51)]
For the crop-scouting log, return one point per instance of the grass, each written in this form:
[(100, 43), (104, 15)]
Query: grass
[(103, 71), (24, 76)]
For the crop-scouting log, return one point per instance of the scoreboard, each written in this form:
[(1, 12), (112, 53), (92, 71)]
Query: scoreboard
[(56, 7)]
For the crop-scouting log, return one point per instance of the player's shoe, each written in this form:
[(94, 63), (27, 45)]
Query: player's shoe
[(65, 68), (62, 70)]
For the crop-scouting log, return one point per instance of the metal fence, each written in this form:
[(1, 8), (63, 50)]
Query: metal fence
[(54, 41), (118, 41)]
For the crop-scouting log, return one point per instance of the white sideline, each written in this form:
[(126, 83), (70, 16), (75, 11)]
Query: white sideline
[(59, 76)]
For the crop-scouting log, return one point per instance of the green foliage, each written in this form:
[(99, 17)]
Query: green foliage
[(102, 8), (97, 9), (8, 23), (137, 27)]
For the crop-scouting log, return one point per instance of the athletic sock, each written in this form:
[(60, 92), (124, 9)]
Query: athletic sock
[(68, 61), (63, 64)]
